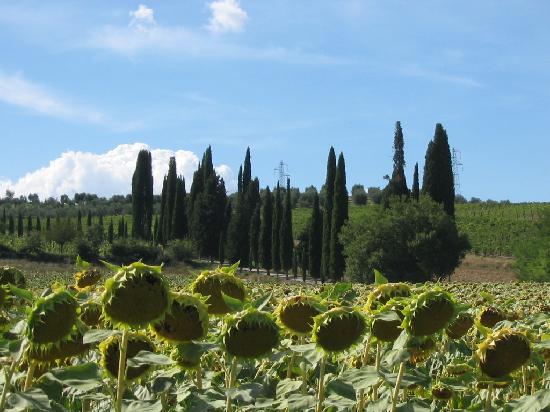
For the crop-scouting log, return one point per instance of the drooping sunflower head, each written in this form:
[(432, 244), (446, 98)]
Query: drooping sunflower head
[(250, 334), (503, 352), (211, 284), (386, 322), (420, 348), (442, 392), (186, 320), (296, 313), (429, 312), (460, 326), (110, 354), (12, 275), (458, 369), (338, 329), (52, 318), (136, 296), (489, 316), (90, 313), (187, 355), (66, 348), (86, 278), (383, 293)]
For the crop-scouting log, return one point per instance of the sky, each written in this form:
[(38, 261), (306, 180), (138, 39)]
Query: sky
[(84, 85)]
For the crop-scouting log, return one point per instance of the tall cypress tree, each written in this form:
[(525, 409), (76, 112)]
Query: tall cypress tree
[(155, 229), (416, 184), (29, 225), (171, 182), (48, 224), (160, 232), (339, 217), (223, 234), (4, 221), (120, 228), (438, 180), (11, 225), (265, 231), (315, 239), (89, 219), (110, 232), (38, 224), (275, 231), (327, 214), (287, 242), (254, 236), (79, 222), (397, 185), (19, 225), (240, 180), (179, 220), (142, 196), (247, 171)]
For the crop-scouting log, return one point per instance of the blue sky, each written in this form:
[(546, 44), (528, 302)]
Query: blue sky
[(288, 78)]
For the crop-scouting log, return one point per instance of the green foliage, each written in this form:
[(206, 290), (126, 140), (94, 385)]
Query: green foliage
[(359, 195), (275, 230), (179, 250), (327, 214), (339, 217), (315, 240), (126, 251), (408, 241), (142, 196), (397, 185), (287, 243), (265, 230), (533, 254)]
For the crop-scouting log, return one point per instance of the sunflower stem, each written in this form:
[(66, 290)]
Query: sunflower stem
[(321, 388), (86, 405), (524, 377), (365, 359), (489, 397), (397, 386), (7, 384), (304, 371), (199, 377), (121, 370), (30, 375), (230, 383), (377, 367)]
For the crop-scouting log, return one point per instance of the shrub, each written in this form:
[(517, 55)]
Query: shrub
[(126, 251), (358, 195), (179, 251), (408, 241)]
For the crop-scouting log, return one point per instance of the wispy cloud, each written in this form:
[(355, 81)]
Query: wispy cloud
[(227, 16), (18, 91), (435, 75)]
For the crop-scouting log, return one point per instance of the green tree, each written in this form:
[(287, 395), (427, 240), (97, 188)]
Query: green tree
[(265, 231), (79, 222), (315, 239), (48, 224), (142, 196), (29, 225), (89, 219), (62, 232), (179, 219), (416, 184), (397, 185), (19, 225), (275, 231), (359, 195), (254, 235), (110, 232), (171, 182), (155, 229), (11, 225), (438, 181), (287, 242), (223, 234), (409, 241), (160, 228), (339, 217), (38, 224), (327, 214), (247, 171)]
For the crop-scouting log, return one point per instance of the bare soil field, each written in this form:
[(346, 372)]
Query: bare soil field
[(485, 269)]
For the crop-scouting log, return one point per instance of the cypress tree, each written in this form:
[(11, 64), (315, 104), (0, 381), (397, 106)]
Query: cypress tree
[(89, 219), (287, 242), (240, 180), (171, 182), (48, 224), (120, 228), (38, 224), (155, 229), (223, 234), (438, 182), (4, 220), (100, 222), (339, 217), (265, 231), (315, 239), (79, 222), (296, 256), (275, 231), (397, 185), (327, 213), (179, 220), (19, 225), (142, 196), (160, 233), (111, 232), (416, 184), (11, 226), (254, 236), (247, 171), (304, 254), (29, 225)]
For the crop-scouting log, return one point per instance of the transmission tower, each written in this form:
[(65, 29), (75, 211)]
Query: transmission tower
[(281, 173), (458, 167)]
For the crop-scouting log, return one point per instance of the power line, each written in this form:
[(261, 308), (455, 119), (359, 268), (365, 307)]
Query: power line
[(281, 173), (458, 167)]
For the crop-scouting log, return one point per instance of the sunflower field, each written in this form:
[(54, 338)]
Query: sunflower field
[(135, 341)]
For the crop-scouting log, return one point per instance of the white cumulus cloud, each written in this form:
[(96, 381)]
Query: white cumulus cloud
[(105, 174), (227, 16), (143, 15)]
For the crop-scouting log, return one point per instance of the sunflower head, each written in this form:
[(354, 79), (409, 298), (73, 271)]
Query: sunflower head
[(489, 316), (250, 334), (136, 296), (338, 329), (296, 313), (86, 278), (66, 348), (458, 369), (386, 322), (211, 284), (52, 318), (460, 326), (186, 320), (503, 352), (442, 392), (110, 354), (420, 349), (90, 313), (429, 312), (12, 275), (383, 293)]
